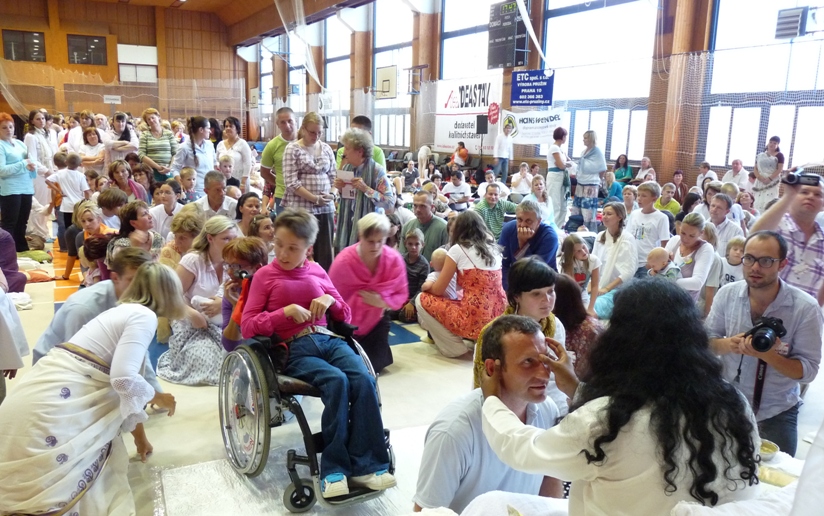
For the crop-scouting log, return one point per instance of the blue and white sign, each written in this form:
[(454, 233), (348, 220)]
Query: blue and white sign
[(532, 88)]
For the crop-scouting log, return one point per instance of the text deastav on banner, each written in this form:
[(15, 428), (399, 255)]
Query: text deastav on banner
[(460, 101)]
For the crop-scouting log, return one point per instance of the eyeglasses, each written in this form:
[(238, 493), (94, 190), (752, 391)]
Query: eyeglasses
[(764, 261)]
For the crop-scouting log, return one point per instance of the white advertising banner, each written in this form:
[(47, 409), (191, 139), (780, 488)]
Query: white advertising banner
[(534, 127), (460, 101)]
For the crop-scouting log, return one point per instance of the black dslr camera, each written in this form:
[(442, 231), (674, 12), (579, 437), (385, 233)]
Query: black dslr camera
[(801, 179), (764, 333)]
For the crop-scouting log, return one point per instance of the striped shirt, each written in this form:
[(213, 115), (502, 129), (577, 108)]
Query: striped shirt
[(494, 216), (805, 267), (160, 150), (313, 169)]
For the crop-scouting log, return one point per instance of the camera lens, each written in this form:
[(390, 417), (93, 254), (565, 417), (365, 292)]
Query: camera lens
[(763, 339)]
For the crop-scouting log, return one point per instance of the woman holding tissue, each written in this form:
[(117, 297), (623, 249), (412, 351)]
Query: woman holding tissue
[(308, 172), (362, 184)]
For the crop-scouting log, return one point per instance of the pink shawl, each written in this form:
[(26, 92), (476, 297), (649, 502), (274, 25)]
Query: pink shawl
[(350, 275)]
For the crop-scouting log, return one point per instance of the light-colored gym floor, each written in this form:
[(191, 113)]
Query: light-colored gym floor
[(414, 389)]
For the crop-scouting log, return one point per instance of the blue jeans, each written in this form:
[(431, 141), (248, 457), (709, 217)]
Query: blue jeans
[(641, 273), (351, 422), (502, 168), (782, 429), (61, 230)]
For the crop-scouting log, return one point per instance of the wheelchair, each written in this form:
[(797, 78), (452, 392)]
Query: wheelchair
[(254, 397)]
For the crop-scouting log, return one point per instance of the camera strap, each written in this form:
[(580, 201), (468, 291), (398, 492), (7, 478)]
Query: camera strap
[(760, 374)]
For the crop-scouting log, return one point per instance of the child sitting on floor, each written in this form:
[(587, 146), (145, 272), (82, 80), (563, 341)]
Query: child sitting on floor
[(438, 259), (290, 297), (416, 272), (660, 265)]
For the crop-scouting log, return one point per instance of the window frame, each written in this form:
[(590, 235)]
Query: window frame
[(88, 40), (26, 51)]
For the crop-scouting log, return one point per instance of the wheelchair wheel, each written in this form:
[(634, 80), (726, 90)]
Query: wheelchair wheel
[(299, 501), (244, 411)]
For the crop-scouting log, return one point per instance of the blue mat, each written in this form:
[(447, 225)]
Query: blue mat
[(400, 335)]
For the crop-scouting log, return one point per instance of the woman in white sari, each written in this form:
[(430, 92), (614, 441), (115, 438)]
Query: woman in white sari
[(62, 450)]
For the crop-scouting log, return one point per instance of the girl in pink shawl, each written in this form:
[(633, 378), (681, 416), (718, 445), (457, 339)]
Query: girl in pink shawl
[(371, 278)]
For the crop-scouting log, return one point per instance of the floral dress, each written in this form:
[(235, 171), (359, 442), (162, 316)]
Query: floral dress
[(580, 341), (483, 300)]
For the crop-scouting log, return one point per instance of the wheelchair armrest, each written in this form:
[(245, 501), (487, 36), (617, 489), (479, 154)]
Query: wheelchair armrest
[(340, 328)]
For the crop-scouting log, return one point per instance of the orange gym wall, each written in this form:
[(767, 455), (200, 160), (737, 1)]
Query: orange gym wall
[(191, 45)]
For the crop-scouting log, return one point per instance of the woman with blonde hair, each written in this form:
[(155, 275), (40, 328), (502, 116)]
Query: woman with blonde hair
[(692, 254), (96, 381), (195, 350), (591, 169), (186, 226), (309, 172)]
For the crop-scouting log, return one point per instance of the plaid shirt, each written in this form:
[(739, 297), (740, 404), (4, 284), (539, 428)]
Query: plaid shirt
[(316, 174), (805, 267)]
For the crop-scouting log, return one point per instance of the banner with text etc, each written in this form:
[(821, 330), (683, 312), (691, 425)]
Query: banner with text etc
[(534, 127), (459, 102)]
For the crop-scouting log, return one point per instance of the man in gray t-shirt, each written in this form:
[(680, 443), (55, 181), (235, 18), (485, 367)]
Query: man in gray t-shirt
[(458, 463)]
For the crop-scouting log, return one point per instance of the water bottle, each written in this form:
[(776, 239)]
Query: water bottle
[(380, 211)]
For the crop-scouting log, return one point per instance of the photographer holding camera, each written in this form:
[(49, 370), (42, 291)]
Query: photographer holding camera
[(793, 217), (768, 335)]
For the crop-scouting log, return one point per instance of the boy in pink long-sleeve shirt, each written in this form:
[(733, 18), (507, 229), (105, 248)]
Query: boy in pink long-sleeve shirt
[(290, 297)]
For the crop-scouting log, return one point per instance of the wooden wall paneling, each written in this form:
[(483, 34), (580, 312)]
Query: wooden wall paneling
[(197, 39), (186, 36)]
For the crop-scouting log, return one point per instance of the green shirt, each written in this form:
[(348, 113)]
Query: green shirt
[(377, 157), (672, 206), (272, 157), (494, 217), (434, 235)]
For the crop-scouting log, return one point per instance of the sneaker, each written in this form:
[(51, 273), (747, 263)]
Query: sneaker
[(377, 481), (334, 485)]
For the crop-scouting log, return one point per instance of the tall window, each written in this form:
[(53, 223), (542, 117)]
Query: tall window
[(24, 46), (338, 78), (602, 56), (393, 47), (762, 87), (87, 50), (465, 39), (297, 76)]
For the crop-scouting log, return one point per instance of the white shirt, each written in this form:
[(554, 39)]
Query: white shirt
[(458, 463), (114, 155), (502, 190), (206, 283), (162, 220), (550, 160), (227, 209), (112, 222), (457, 192), (731, 273), (619, 259), (710, 173), (521, 185), (470, 259), (704, 260), (649, 230), (73, 185), (503, 146), (629, 482), (741, 179), (242, 156), (13, 343), (727, 230), (88, 150)]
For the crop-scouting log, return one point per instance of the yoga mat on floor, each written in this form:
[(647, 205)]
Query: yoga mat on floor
[(400, 335)]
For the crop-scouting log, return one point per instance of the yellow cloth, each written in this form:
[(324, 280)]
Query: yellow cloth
[(547, 326), (672, 206)]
